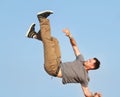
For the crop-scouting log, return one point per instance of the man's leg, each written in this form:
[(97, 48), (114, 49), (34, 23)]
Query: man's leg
[(50, 44), (57, 47), (32, 34)]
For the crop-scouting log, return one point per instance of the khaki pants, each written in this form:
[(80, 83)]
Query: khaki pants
[(51, 48)]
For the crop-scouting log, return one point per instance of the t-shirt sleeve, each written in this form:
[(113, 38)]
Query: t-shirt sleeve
[(80, 57), (84, 84)]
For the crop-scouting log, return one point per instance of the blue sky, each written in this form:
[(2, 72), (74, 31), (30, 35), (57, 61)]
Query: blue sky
[(95, 24)]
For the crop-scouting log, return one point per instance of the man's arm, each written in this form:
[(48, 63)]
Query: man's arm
[(87, 92), (72, 41)]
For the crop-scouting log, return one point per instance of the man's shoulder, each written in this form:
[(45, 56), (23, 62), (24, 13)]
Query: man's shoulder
[(80, 57)]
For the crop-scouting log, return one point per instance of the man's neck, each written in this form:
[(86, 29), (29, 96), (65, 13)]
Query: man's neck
[(86, 69)]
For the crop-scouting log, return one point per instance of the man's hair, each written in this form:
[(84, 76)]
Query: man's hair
[(96, 64)]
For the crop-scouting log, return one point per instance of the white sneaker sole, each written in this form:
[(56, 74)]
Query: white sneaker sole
[(44, 12), (29, 30)]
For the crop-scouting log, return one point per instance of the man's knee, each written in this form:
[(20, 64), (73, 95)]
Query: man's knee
[(51, 70)]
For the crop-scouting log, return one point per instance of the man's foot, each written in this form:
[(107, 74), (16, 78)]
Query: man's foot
[(31, 31), (44, 14)]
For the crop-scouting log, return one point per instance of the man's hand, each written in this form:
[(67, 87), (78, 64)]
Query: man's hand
[(67, 32), (97, 95)]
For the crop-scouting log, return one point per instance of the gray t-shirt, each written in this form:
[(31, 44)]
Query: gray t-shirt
[(74, 72)]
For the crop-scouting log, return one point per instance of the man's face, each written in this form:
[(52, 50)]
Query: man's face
[(90, 63)]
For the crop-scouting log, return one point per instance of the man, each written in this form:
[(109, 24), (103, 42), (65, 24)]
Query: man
[(70, 72)]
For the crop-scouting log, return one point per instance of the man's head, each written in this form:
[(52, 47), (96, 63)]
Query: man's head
[(92, 64)]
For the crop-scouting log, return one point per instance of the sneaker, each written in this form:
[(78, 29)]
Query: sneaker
[(31, 31), (44, 14)]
